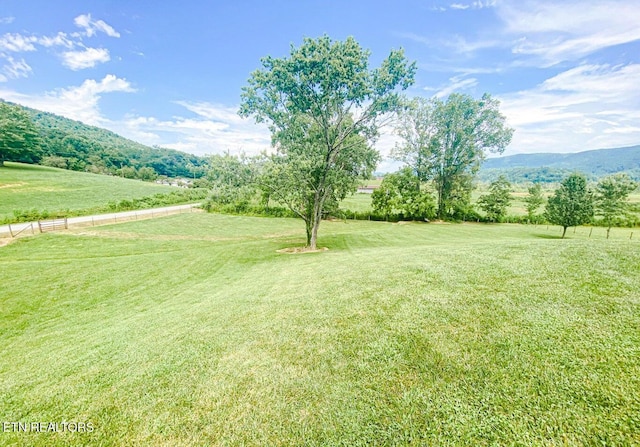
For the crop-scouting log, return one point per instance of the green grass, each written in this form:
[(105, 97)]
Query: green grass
[(193, 330), (26, 187)]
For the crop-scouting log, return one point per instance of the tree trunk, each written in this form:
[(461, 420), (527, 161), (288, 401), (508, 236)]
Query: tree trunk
[(564, 231), (315, 223), (441, 199), (308, 224)]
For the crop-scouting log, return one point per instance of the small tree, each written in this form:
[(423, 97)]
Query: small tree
[(401, 193), (611, 197), (571, 204), (495, 203), (19, 138), (148, 174), (533, 201)]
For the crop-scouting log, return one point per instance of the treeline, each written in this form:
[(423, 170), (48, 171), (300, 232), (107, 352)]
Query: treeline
[(68, 144), (545, 174)]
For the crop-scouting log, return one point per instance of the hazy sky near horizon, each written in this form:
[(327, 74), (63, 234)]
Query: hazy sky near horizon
[(170, 73)]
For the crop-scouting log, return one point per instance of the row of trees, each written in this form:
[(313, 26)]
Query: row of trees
[(401, 194), (572, 204)]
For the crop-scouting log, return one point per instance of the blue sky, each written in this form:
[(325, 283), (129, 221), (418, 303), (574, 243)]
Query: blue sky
[(170, 73)]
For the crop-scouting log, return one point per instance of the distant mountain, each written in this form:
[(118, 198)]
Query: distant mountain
[(548, 167), (77, 146)]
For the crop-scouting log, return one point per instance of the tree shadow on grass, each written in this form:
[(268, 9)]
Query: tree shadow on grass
[(547, 236)]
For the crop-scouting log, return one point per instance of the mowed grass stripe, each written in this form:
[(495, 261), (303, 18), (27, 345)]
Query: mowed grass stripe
[(434, 334)]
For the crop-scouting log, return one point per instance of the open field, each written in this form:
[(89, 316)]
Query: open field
[(193, 330), (25, 187)]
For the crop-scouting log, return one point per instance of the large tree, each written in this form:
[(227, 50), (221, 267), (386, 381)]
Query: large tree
[(571, 204), (19, 138), (611, 197), (446, 141), (323, 105)]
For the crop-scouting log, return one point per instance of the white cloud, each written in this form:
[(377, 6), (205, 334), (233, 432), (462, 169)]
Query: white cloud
[(215, 129), (78, 103), (17, 43), (553, 31), (91, 26), (478, 4), (15, 69), (586, 107), (90, 57), (6, 20), (60, 39), (456, 84)]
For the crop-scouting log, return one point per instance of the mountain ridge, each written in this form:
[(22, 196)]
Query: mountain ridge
[(552, 167)]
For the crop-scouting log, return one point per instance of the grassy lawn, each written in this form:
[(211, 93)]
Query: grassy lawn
[(25, 187), (193, 330)]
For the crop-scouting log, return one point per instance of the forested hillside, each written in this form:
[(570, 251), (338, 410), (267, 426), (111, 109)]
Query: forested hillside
[(69, 144), (550, 168)]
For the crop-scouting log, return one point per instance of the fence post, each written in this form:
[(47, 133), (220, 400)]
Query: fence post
[(10, 230), (590, 231), (631, 236)]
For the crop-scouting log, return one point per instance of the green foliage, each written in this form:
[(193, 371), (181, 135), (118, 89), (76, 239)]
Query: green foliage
[(231, 179), (524, 175), (446, 141), (19, 138), (76, 146), (400, 194), (611, 198), (496, 202), (533, 200), (323, 105), (571, 204)]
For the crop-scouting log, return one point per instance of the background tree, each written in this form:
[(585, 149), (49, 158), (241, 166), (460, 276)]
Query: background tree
[(19, 138), (611, 197), (323, 106), (533, 200), (402, 193), (231, 179), (571, 204), (496, 202), (446, 141)]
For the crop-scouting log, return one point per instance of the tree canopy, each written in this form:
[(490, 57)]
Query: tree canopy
[(19, 138), (324, 106), (496, 202), (446, 141), (571, 204), (611, 197), (401, 194), (533, 200)]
